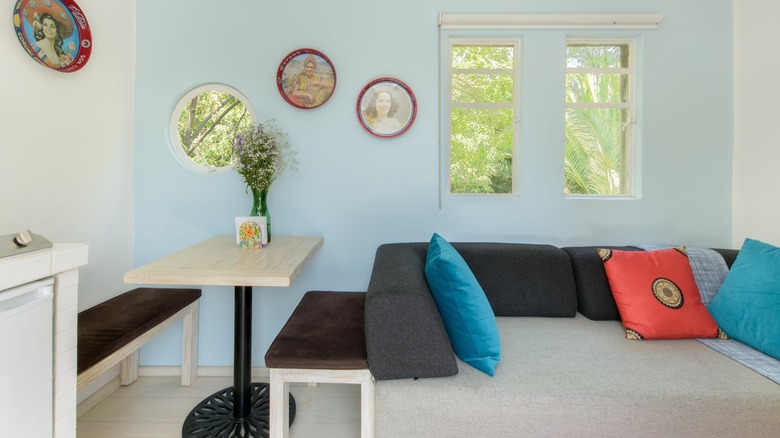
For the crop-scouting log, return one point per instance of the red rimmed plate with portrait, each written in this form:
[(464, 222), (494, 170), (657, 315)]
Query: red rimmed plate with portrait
[(306, 78), (54, 32), (386, 107)]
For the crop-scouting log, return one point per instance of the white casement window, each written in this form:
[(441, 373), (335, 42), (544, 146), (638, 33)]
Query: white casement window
[(482, 109), (600, 118)]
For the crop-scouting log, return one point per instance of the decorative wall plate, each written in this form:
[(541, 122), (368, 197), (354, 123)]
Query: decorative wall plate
[(54, 32), (306, 78), (386, 107)]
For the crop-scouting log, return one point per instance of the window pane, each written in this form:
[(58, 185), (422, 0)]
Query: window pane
[(482, 88), (597, 56), (595, 151), (597, 88), (483, 57), (481, 150)]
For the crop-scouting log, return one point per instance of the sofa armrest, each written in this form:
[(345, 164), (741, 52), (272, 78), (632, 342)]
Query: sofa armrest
[(405, 336)]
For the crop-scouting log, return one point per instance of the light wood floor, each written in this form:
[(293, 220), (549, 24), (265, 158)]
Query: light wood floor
[(155, 407)]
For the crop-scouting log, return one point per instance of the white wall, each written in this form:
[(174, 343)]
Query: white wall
[(756, 187), (66, 146)]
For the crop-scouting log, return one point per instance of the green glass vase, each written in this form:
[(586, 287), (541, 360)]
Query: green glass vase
[(260, 208)]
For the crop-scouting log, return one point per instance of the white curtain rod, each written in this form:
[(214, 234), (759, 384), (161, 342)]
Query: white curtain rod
[(549, 21)]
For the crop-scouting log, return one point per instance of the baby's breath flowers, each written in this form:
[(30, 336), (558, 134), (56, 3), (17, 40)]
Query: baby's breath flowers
[(262, 153)]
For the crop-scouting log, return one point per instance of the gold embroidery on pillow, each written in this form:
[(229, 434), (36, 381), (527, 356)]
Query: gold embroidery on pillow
[(667, 293), (682, 250), (633, 335), (605, 254)]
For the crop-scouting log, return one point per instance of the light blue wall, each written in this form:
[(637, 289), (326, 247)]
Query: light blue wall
[(359, 191)]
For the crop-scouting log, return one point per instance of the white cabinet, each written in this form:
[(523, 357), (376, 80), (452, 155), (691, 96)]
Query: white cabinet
[(26, 328), (56, 397)]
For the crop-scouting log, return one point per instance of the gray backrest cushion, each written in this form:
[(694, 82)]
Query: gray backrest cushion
[(729, 255), (523, 279), (594, 296)]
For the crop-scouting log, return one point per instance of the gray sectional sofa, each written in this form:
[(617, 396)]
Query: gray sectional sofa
[(566, 367)]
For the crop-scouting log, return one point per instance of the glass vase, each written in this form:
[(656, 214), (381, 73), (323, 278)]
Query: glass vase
[(260, 208)]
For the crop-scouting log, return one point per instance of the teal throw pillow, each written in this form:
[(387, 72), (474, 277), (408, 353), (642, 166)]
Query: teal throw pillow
[(747, 305), (464, 308)]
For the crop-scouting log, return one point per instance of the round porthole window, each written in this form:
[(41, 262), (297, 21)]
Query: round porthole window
[(204, 124)]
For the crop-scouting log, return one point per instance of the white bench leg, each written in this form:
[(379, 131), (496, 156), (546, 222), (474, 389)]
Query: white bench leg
[(367, 406), (279, 416), (280, 399), (128, 368), (189, 345)]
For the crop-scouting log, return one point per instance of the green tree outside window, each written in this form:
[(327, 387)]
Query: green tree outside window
[(482, 115), (207, 126), (598, 119)]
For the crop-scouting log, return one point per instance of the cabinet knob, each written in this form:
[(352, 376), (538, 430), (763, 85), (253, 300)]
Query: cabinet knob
[(23, 239)]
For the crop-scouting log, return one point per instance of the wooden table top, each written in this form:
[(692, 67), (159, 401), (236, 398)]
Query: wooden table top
[(219, 261)]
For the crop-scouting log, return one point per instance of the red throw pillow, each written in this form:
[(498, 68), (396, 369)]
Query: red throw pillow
[(656, 294)]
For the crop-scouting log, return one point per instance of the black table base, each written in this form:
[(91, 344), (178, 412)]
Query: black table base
[(213, 417), (241, 410)]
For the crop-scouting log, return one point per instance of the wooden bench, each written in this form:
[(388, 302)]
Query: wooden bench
[(112, 332), (324, 341)]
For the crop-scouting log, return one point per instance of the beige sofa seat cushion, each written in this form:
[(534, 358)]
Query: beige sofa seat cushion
[(578, 377)]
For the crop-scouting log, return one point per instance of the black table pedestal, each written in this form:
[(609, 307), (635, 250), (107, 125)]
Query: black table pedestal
[(241, 410)]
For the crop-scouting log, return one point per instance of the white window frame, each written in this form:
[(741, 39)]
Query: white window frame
[(629, 128), (515, 106)]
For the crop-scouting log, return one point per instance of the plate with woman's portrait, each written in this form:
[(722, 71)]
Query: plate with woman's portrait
[(306, 78), (54, 32), (386, 107)]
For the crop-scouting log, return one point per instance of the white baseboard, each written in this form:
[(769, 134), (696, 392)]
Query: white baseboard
[(96, 397), (258, 374)]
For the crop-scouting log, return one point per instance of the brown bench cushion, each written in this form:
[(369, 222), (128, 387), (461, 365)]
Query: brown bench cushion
[(325, 331), (107, 327)]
